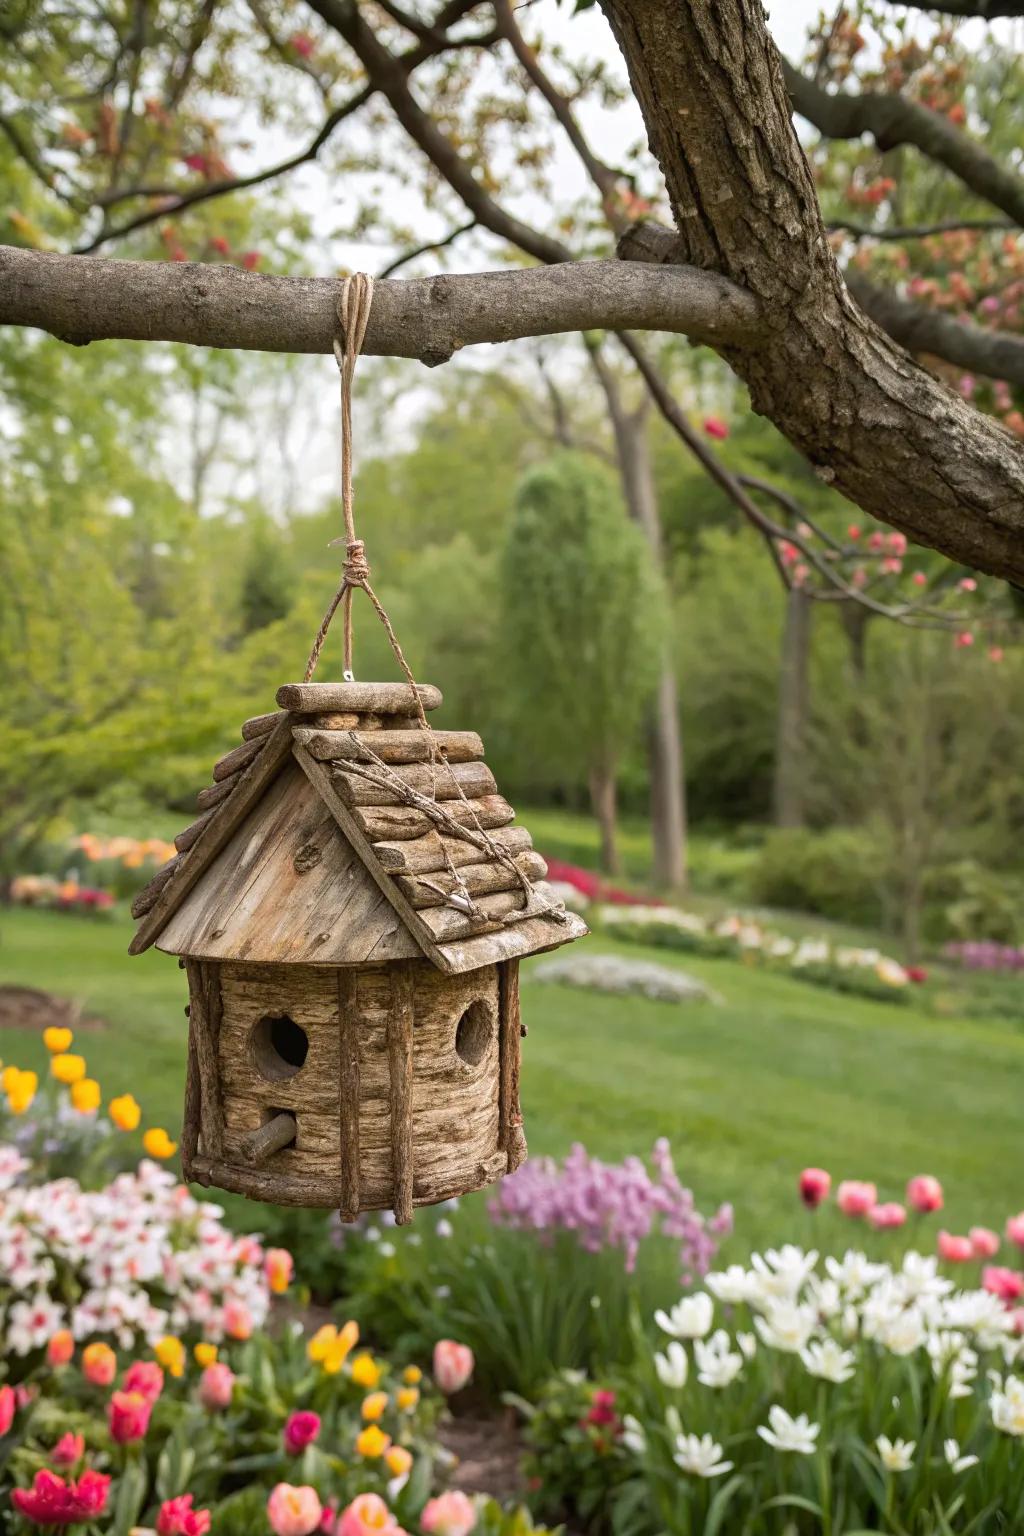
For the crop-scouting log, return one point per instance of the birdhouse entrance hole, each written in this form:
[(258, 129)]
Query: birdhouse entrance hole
[(279, 1046), (473, 1033)]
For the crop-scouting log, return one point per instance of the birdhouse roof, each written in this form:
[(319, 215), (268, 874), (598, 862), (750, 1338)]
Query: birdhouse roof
[(342, 832)]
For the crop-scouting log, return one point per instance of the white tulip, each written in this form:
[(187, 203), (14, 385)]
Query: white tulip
[(690, 1318), (673, 1366)]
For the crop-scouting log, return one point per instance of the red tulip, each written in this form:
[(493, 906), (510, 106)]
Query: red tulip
[(815, 1184), (52, 1501), (128, 1416), (178, 1518), (301, 1430)]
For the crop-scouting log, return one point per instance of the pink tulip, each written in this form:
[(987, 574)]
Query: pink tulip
[(453, 1365), (450, 1514), (294, 1511), (301, 1430), (856, 1197), (892, 1214), (1007, 1284), (216, 1385), (815, 1184), (924, 1193), (954, 1249), (178, 1518), (8, 1405), (68, 1451), (128, 1416), (146, 1378), (367, 1515), (984, 1242), (1015, 1229)]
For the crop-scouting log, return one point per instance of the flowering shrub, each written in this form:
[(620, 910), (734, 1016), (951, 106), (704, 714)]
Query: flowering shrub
[(866, 1395), (986, 956), (844, 968), (131, 1263), (611, 1205), (59, 895), (590, 885)]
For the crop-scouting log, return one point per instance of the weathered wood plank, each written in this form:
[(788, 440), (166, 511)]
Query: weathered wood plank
[(531, 936), (262, 725), (213, 794), (479, 880), (320, 778), (215, 834), (381, 823), (348, 1097), (146, 899), (190, 1120), (400, 1031), (414, 746), (511, 1139), (447, 923), (439, 781), (204, 1022), (358, 698), (424, 855), (184, 840), (237, 758), (287, 887)]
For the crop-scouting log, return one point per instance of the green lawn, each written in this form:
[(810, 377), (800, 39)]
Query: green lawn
[(783, 1074)]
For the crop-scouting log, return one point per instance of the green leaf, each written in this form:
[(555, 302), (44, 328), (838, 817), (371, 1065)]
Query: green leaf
[(131, 1494)]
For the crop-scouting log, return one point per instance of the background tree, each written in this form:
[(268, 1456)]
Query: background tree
[(587, 622)]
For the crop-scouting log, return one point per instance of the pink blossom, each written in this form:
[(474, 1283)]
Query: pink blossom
[(301, 1430), (714, 426), (128, 1416), (984, 1242), (303, 44), (178, 1518), (891, 565), (919, 579), (815, 1184), (453, 1365), (853, 531), (450, 1514), (216, 1385), (855, 1197), (1005, 1283), (293, 1511), (800, 574), (897, 543), (251, 260), (963, 640), (891, 1214), (859, 577), (996, 653), (989, 305), (876, 541), (967, 386), (924, 1193), (52, 1501), (968, 584), (788, 553), (954, 1249), (1015, 1229), (237, 1320)]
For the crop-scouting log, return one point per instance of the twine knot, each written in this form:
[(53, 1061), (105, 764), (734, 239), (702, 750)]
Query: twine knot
[(356, 569)]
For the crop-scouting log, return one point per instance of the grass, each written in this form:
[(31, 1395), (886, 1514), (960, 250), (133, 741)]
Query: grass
[(781, 1075)]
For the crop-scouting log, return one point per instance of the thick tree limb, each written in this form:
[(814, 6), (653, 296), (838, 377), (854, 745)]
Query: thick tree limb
[(81, 299), (892, 119), (996, 354), (881, 429)]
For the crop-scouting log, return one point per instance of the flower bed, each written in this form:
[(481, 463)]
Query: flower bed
[(59, 895), (844, 968)]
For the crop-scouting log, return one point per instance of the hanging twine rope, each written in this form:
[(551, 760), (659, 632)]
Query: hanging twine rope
[(353, 311)]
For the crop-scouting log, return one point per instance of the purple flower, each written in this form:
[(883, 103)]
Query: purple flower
[(611, 1205)]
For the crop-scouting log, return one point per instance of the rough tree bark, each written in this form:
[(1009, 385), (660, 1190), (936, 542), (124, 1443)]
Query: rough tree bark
[(604, 804), (883, 431), (791, 723)]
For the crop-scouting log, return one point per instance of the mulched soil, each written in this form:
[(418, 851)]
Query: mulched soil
[(489, 1452), (30, 1008)]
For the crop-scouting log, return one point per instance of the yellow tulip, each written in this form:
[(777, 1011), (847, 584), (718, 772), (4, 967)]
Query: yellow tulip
[(412, 1375), (372, 1442), (399, 1460), (67, 1069), (171, 1354), (8, 1077), (322, 1342), (85, 1095), (124, 1112), (375, 1406), (406, 1398), (158, 1144), (206, 1354), (57, 1040), (20, 1088), (365, 1371)]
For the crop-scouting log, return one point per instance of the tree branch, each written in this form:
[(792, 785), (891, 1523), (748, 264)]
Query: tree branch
[(984, 10), (215, 305), (878, 427), (916, 231), (892, 120), (996, 354), (430, 245)]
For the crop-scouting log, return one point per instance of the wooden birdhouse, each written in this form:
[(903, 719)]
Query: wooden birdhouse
[(351, 907)]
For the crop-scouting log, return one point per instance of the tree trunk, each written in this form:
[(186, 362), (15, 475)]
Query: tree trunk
[(664, 733), (791, 738), (855, 619), (603, 801)]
